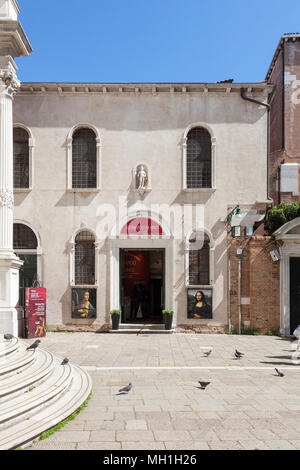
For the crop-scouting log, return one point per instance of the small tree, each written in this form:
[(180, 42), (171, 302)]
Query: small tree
[(280, 215)]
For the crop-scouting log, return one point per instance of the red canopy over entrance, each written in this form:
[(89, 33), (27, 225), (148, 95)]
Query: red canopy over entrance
[(142, 226)]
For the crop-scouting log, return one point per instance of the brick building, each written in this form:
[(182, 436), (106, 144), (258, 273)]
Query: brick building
[(284, 155), (265, 294)]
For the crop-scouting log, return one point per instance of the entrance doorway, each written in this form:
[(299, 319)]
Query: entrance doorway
[(294, 293), (142, 285)]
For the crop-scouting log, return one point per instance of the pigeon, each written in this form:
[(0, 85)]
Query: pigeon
[(126, 389), (203, 385), (8, 336), (208, 353), (65, 361), (279, 372), (239, 353), (34, 345)]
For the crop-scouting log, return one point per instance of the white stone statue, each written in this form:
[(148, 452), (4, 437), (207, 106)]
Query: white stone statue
[(142, 177)]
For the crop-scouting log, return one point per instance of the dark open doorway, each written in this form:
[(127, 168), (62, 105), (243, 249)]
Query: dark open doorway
[(294, 293), (142, 285)]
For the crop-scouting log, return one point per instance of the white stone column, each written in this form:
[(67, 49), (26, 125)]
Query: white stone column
[(13, 43), (9, 262)]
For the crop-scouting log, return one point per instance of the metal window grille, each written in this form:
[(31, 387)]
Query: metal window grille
[(198, 165), (24, 238), (21, 158), (85, 259), (199, 264), (84, 159)]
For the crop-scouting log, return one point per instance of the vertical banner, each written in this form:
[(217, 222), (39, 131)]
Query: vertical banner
[(35, 312)]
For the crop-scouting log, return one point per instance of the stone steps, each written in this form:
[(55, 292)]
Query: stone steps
[(16, 360), (136, 328), (7, 347), (36, 392), (41, 366)]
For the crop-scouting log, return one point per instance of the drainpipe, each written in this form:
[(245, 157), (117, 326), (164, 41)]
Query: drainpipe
[(283, 95), (279, 184), (228, 291), (239, 254), (268, 106)]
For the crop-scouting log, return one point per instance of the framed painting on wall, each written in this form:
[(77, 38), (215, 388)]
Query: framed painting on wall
[(84, 303), (199, 303)]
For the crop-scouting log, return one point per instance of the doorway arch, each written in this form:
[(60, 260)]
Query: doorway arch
[(149, 232), (289, 236)]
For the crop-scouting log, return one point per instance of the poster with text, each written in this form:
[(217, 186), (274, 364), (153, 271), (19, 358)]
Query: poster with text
[(35, 312)]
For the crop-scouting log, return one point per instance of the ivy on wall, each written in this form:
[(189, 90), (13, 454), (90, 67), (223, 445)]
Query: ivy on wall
[(280, 215)]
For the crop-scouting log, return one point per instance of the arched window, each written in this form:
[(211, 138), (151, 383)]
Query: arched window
[(198, 159), (84, 159), (84, 258), (25, 246), (21, 158), (199, 260)]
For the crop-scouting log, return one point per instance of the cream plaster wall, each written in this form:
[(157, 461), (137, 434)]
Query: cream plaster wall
[(137, 128)]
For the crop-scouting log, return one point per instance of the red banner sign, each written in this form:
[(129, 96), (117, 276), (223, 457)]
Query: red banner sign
[(142, 226), (35, 312)]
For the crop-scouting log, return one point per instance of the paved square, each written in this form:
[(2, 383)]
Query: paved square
[(246, 405)]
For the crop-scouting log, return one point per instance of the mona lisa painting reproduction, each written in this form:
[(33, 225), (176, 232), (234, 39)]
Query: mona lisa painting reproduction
[(199, 303)]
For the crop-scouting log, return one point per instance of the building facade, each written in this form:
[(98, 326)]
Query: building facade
[(126, 192), (124, 196), (284, 175), (284, 157)]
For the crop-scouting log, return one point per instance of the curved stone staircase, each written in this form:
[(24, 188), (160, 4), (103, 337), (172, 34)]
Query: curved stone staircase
[(36, 392)]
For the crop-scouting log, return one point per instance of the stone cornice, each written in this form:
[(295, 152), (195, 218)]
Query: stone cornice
[(144, 88), (285, 38), (16, 6), (13, 40)]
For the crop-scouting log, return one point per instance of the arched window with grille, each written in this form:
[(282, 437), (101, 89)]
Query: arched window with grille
[(84, 159), (25, 245), (198, 159), (84, 258), (21, 152), (199, 260)]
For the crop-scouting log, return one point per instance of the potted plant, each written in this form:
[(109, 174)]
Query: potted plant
[(115, 318), (168, 317)]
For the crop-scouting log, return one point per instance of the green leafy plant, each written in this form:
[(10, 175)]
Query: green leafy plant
[(167, 312), (115, 312), (280, 215), (250, 332), (60, 425), (231, 330)]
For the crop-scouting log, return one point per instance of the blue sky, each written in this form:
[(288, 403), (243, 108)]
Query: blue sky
[(153, 40)]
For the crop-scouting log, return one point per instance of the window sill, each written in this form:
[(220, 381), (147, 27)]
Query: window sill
[(199, 287), (83, 190), (22, 190), (84, 286), (199, 190)]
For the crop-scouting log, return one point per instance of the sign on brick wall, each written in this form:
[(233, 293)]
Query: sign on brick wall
[(289, 178)]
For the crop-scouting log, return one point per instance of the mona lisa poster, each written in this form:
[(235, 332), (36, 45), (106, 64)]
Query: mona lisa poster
[(84, 303), (199, 302)]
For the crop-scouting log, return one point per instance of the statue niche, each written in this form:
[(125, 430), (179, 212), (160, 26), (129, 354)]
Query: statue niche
[(141, 179)]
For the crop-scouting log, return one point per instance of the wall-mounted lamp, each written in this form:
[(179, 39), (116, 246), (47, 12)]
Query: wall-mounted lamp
[(236, 230)]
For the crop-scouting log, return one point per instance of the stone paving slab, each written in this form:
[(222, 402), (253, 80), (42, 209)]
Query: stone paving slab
[(246, 405)]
